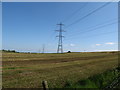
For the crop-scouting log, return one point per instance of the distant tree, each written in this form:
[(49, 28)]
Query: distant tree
[(9, 50), (3, 50), (12, 51), (69, 52)]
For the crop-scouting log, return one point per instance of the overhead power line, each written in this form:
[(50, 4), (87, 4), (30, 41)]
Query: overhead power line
[(94, 29), (114, 19), (89, 14), (95, 35), (69, 17)]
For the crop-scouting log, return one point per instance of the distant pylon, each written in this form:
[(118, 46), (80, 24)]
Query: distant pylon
[(39, 51), (60, 46), (43, 49)]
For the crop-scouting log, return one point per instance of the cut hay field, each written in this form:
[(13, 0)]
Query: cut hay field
[(28, 70)]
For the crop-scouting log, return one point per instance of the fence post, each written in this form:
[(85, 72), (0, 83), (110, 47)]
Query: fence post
[(45, 85)]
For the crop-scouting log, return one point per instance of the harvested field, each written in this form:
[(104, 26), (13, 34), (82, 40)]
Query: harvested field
[(27, 70)]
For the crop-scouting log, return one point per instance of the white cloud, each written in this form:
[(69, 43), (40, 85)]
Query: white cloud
[(110, 43), (72, 45), (98, 44)]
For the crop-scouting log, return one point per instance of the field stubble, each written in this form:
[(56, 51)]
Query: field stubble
[(22, 70)]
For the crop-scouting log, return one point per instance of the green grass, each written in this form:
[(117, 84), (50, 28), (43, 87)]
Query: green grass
[(23, 70), (96, 81)]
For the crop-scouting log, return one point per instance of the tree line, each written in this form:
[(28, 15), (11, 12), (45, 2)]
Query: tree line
[(8, 50)]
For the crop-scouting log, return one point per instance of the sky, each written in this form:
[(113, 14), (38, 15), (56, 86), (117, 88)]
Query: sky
[(28, 26), (0, 27)]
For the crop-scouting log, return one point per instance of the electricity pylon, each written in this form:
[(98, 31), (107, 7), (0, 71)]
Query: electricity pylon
[(60, 46)]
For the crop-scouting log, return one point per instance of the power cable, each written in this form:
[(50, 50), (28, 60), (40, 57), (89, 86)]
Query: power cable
[(89, 14), (96, 35), (100, 25), (97, 28), (69, 17)]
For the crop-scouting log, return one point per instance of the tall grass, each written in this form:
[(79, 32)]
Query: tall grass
[(96, 81)]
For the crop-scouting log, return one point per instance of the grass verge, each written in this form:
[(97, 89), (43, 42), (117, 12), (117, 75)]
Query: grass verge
[(96, 81)]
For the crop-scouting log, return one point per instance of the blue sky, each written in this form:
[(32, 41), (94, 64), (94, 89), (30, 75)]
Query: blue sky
[(29, 25)]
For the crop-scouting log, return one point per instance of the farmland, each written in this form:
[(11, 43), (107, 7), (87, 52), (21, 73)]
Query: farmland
[(28, 70)]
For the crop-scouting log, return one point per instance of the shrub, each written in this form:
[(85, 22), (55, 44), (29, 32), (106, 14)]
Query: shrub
[(69, 52)]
